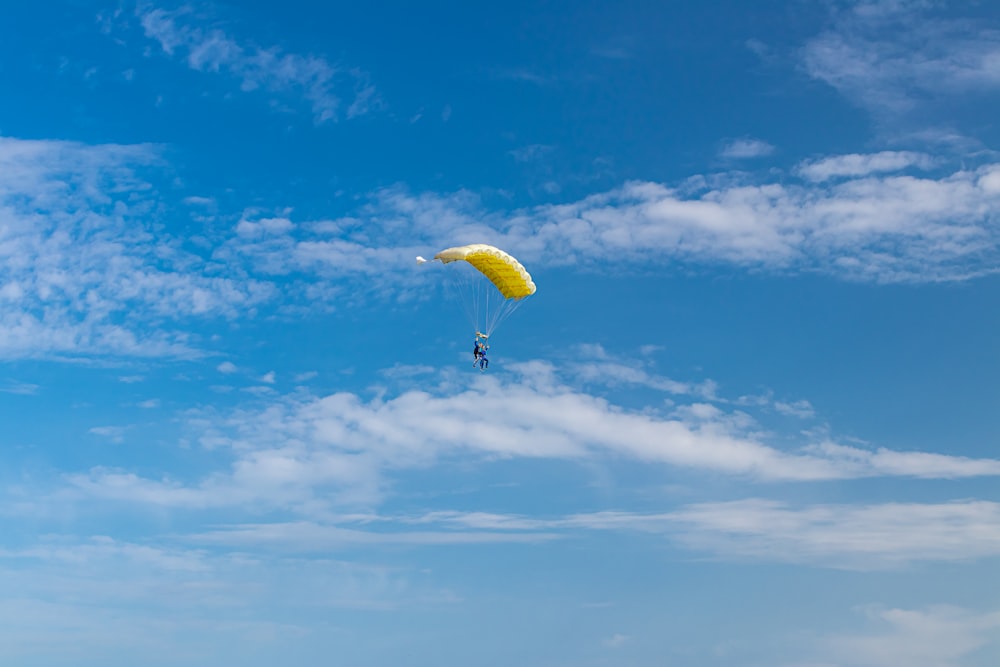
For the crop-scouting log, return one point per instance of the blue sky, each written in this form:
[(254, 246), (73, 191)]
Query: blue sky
[(749, 418)]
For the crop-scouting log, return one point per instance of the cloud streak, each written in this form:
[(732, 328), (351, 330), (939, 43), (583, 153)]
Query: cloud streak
[(844, 536), (310, 455), (741, 149), (856, 165), (319, 82), (864, 537), (854, 217), (65, 595)]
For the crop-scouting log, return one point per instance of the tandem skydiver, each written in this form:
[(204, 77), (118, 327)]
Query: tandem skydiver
[(479, 352)]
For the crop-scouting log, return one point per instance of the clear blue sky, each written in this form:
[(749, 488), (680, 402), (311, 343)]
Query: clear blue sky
[(750, 417)]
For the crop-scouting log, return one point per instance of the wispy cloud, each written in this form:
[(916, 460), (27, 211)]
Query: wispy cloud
[(592, 365), (115, 434), (862, 537), (63, 596), (801, 408), (844, 536), (227, 368), (96, 254), (80, 247), (22, 388), (862, 225), (522, 74), (856, 165), (531, 152), (926, 637), (309, 536), (324, 85), (78, 251), (309, 454), (741, 149), (890, 56)]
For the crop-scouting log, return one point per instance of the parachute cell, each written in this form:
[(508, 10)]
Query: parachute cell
[(490, 287), (505, 272)]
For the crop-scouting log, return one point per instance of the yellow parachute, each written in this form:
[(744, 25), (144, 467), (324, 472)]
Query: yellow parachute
[(494, 290)]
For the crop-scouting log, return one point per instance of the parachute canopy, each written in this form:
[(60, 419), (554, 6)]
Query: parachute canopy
[(492, 288), (513, 281)]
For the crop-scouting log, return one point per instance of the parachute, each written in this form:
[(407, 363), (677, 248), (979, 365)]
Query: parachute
[(490, 283)]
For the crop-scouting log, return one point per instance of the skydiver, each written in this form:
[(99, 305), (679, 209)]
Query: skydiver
[(479, 349), (484, 363), (479, 352)]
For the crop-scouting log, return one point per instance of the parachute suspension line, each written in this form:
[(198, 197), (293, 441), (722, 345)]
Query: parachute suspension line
[(491, 312), (484, 307), (464, 288), (477, 299), (495, 309), (489, 283), (503, 310), (487, 319)]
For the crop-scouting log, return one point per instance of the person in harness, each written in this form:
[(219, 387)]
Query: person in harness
[(479, 352)]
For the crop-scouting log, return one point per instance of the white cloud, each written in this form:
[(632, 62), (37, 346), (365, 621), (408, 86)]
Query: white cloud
[(862, 165), (400, 371), (258, 390), (871, 226), (853, 537), (64, 598), (531, 152), (590, 364), (891, 56), (926, 465), (66, 282), (78, 251), (22, 388), (227, 368), (861, 537), (320, 82), (268, 378), (308, 454), (802, 409), (938, 636), (741, 149), (114, 433), (308, 536), (843, 536)]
